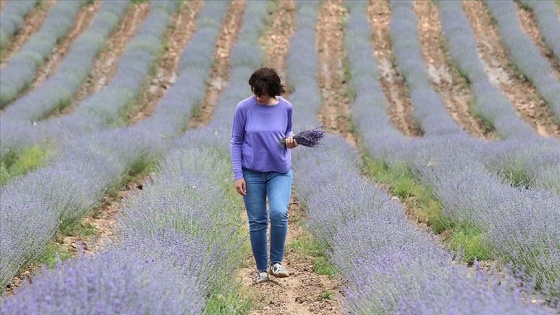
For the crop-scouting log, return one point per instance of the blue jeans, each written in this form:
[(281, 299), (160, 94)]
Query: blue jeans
[(277, 187)]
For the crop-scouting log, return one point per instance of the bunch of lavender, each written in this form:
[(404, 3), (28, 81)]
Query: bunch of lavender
[(308, 138)]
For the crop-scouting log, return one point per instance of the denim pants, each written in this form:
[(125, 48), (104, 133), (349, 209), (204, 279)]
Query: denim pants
[(277, 187)]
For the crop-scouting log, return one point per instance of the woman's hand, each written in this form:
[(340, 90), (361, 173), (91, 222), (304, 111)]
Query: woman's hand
[(241, 186), (291, 142)]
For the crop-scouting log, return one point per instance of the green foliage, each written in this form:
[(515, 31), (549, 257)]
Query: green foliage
[(78, 229), (305, 245), (467, 240), (53, 254), (327, 295), (139, 1), (19, 163), (229, 299)]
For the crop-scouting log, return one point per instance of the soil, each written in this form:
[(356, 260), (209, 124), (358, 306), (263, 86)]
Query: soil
[(394, 86), (334, 114), (305, 291)]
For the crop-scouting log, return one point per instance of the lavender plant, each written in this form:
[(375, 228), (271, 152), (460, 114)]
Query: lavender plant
[(308, 138), (177, 104), (136, 278), (66, 189), (182, 173)]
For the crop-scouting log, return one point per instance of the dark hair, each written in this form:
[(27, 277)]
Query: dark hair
[(266, 80)]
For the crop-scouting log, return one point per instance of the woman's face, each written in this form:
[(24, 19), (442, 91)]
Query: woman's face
[(263, 99)]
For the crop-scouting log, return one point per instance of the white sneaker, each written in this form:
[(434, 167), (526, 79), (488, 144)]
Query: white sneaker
[(278, 270), (261, 276)]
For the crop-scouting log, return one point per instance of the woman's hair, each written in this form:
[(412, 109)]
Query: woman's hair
[(266, 80)]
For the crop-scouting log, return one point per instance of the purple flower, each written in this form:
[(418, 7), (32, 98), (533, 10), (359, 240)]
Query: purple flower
[(308, 138)]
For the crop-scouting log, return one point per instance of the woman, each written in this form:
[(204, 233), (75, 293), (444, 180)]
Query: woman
[(262, 167)]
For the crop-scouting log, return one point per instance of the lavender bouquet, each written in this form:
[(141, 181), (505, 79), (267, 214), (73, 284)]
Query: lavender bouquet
[(308, 138)]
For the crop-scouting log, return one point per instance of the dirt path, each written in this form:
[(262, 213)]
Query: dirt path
[(335, 110), (220, 65), (304, 291), (105, 64), (520, 92), (394, 86), (530, 26), (3, 4), (31, 24), (451, 86), (81, 24)]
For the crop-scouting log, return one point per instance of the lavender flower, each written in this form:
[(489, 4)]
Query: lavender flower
[(308, 138)]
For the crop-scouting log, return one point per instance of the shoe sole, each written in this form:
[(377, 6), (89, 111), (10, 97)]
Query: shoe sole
[(281, 275)]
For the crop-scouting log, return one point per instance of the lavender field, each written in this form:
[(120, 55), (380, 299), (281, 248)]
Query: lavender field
[(435, 191)]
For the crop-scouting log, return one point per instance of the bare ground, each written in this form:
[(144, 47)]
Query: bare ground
[(334, 113), (529, 24), (394, 86)]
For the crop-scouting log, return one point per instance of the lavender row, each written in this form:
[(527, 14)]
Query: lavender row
[(11, 19), (57, 91), (302, 66), (429, 110), (34, 206), (390, 267), (489, 101), (102, 109), (525, 54), (453, 168), (549, 24), (534, 159), (175, 239), (409, 59), (22, 253), (19, 71)]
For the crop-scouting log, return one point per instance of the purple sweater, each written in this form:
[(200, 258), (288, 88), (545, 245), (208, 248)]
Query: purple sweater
[(256, 134)]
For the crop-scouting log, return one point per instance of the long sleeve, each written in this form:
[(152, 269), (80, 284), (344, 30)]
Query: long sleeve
[(236, 145)]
